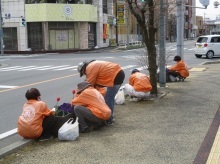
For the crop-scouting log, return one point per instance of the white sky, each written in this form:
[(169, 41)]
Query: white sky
[(210, 12)]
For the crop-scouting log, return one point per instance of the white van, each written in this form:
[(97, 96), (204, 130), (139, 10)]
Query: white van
[(208, 46)]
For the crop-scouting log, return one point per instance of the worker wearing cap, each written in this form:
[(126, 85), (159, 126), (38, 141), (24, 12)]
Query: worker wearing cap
[(89, 104), (103, 74), (139, 85)]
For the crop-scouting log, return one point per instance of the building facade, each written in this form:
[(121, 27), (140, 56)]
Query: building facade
[(49, 25)]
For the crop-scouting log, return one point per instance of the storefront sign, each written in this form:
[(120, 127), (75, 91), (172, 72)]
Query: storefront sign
[(110, 20), (120, 14)]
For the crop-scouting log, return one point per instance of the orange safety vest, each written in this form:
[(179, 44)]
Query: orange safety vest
[(140, 82), (102, 73), (180, 67), (94, 101), (31, 119)]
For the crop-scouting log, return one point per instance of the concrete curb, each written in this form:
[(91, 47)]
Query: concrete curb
[(12, 147)]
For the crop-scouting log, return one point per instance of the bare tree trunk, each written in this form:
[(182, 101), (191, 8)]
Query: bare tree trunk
[(152, 54), (145, 18)]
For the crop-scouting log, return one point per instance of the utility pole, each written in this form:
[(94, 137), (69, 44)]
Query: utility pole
[(116, 26), (1, 29), (162, 50), (180, 27), (127, 25)]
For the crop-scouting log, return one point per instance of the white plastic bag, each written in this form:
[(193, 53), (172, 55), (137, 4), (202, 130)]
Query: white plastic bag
[(120, 96), (69, 131)]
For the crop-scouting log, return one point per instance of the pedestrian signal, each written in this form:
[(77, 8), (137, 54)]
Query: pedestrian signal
[(23, 22)]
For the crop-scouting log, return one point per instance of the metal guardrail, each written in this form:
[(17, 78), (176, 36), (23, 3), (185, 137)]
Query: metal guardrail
[(134, 43)]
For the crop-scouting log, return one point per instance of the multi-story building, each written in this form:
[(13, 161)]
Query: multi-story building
[(189, 19), (50, 25)]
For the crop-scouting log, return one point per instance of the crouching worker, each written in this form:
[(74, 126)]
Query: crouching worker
[(89, 105), (37, 121), (139, 86), (179, 71)]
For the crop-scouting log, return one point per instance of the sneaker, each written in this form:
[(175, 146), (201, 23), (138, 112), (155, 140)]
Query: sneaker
[(45, 138), (181, 78), (86, 130), (109, 122), (135, 99)]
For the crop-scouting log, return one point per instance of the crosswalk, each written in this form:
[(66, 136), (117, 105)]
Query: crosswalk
[(38, 68), (55, 68)]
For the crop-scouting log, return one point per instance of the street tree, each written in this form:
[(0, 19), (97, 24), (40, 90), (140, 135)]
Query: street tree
[(146, 13)]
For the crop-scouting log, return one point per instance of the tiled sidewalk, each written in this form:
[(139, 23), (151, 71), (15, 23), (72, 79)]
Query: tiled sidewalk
[(214, 155)]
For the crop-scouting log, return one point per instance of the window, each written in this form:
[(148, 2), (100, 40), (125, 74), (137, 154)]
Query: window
[(10, 38), (202, 39), (104, 6), (214, 40)]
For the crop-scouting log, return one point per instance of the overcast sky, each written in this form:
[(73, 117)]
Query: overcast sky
[(210, 12)]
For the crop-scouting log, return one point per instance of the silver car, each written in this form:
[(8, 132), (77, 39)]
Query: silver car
[(208, 46)]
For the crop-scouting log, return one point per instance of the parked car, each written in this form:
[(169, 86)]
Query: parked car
[(208, 46)]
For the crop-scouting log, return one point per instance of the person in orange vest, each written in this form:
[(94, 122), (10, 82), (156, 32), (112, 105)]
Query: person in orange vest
[(139, 86), (103, 74), (89, 105), (179, 70), (37, 121)]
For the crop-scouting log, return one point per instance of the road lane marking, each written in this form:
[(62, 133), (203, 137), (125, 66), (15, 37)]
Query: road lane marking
[(35, 68), (7, 86), (128, 66), (54, 67), (10, 68), (59, 69), (40, 82)]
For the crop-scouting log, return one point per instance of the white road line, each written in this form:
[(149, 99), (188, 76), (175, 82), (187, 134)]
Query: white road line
[(10, 68), (7, 86), (28, 67), (8, 133), (35, 68), (142, 68), (128, 66), (65, 68), (54, 67)]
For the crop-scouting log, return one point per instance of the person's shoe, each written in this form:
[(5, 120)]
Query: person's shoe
[(99, 126), (86, 130), (109, 122), (45, 138), (135, 99)]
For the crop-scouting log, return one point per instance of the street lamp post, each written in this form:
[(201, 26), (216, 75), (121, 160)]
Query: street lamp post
[(180, 30), (162, 50)]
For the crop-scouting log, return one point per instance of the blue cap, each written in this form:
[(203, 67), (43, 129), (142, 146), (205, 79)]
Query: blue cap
[(134, 70)]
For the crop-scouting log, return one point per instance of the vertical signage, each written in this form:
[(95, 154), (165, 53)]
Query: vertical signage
[(120, 14)]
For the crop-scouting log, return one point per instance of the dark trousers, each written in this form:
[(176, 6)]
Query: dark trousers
[(52, 124), (174, 73), (86, 117)]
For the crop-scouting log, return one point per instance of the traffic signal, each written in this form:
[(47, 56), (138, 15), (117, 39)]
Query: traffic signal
[(23, 22)]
